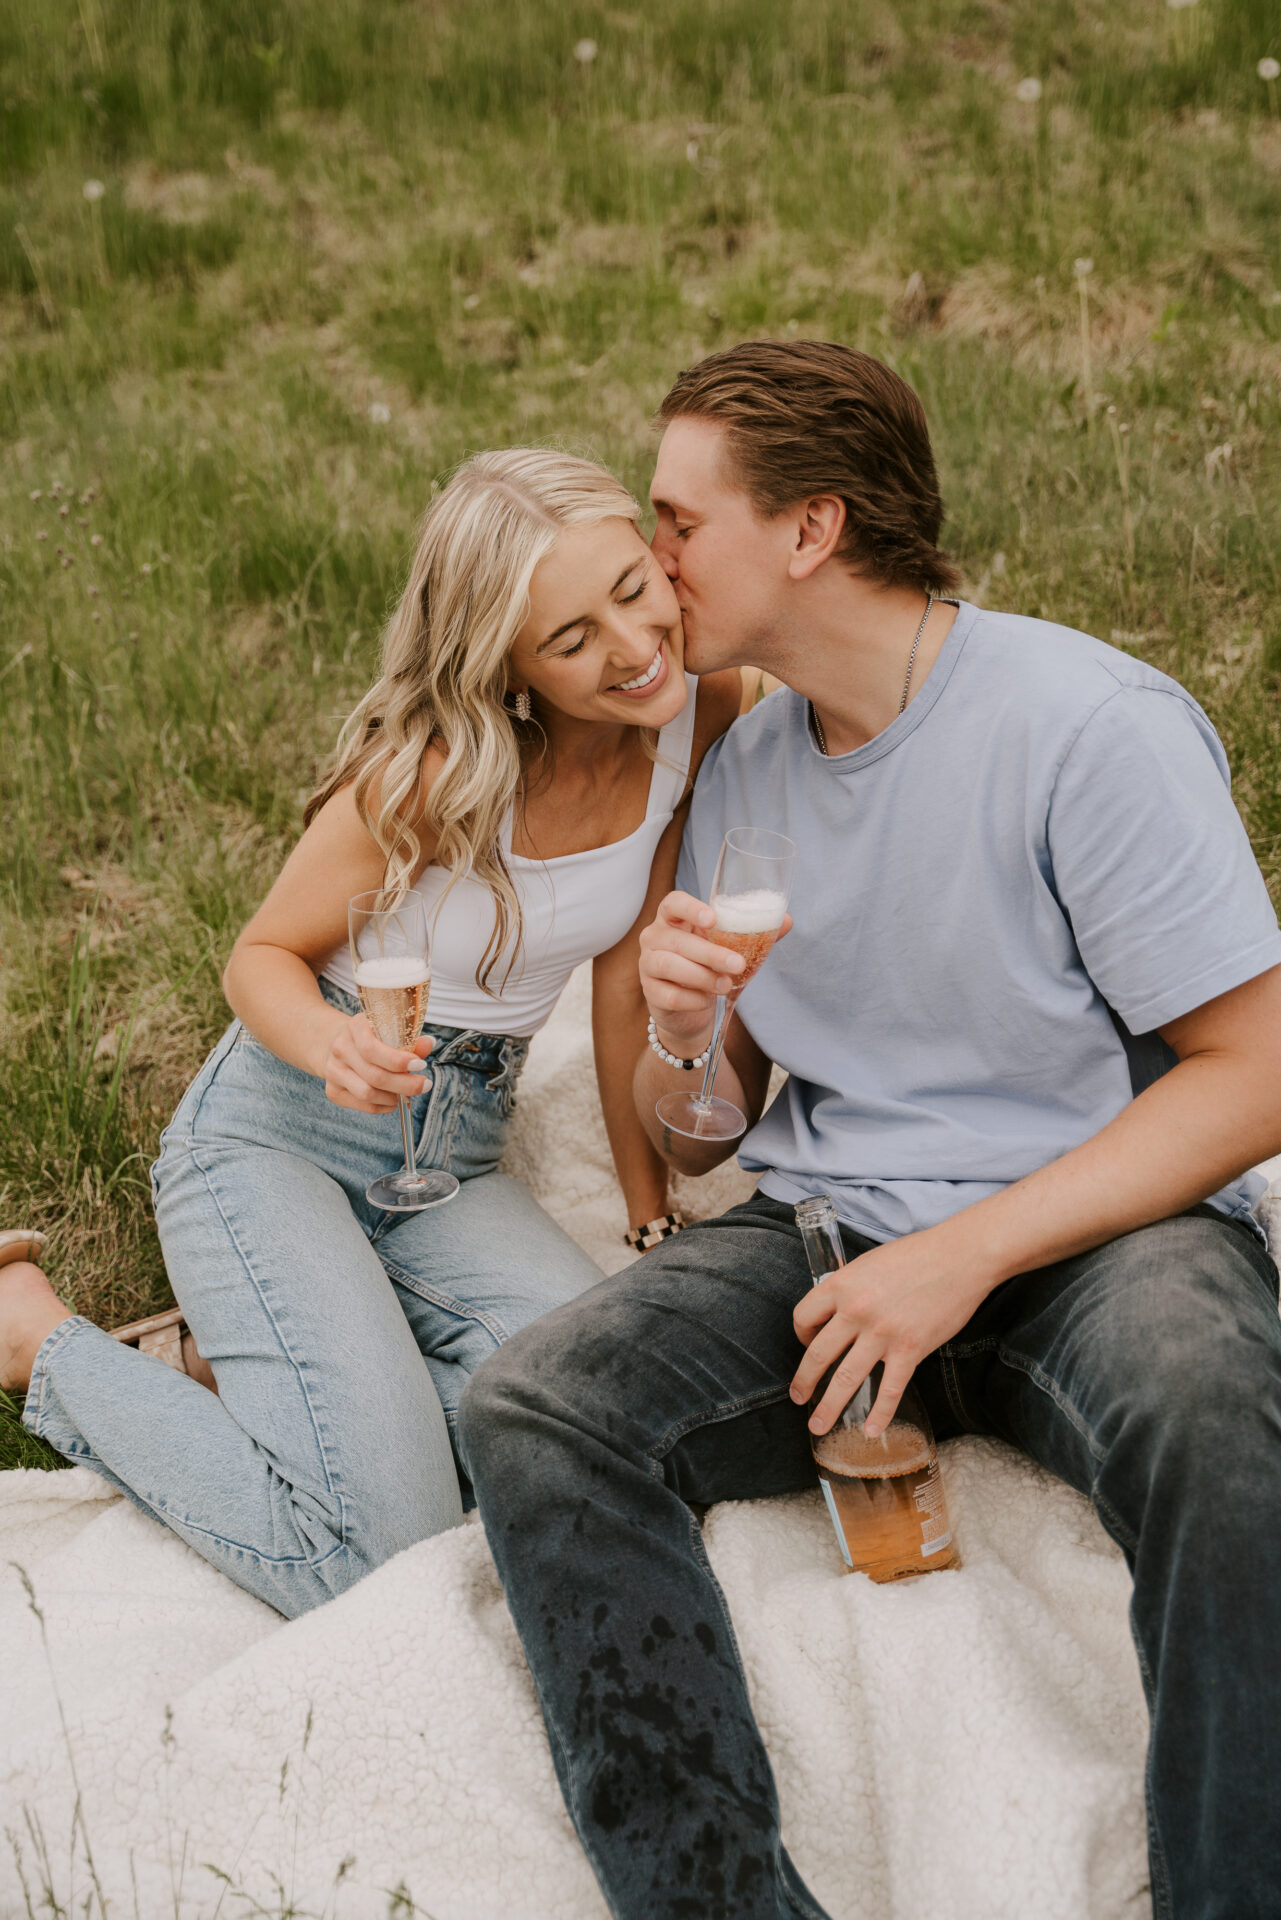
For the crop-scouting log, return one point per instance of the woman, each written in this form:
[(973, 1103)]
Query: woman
[(522, 763)]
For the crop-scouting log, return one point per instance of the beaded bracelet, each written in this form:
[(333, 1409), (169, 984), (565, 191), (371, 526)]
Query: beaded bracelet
[(643, 1238), (670, 1059)]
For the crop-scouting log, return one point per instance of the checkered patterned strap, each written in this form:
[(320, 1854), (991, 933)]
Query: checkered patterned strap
[(643, 1238)]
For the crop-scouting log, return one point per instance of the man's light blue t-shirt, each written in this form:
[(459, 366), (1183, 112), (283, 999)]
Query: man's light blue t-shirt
[(997, 901)]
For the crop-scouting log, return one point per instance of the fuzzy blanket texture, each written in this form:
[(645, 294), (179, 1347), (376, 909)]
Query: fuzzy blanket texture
[(968, 1747)]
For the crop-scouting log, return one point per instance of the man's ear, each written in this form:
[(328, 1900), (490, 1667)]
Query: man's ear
[(818, 526)]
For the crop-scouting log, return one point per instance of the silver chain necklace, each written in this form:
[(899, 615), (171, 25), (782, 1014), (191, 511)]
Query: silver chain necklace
[(902, 705)]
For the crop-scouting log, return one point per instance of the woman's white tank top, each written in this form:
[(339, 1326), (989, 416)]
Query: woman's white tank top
[(571, 909)]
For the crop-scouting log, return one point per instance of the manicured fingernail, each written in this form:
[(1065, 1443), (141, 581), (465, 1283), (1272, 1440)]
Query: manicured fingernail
[(415, 1065)]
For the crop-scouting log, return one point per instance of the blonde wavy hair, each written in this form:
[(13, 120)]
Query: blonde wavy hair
[(444, 673)]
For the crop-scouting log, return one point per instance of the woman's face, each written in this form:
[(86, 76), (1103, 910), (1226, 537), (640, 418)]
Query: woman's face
[(603, 639)]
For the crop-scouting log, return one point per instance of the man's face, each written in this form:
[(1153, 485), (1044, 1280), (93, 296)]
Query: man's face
[(727, 562)]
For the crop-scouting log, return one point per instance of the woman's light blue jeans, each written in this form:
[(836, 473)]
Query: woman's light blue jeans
[(341, 1337)]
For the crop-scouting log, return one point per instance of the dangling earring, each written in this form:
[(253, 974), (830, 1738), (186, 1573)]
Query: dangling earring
[(523, 707)]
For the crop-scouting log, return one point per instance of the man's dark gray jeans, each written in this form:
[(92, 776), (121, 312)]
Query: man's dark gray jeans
[(1147, 1374)]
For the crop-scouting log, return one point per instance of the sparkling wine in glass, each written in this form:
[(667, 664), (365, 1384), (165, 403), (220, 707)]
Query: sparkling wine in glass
[(391, 959), (750, 889)]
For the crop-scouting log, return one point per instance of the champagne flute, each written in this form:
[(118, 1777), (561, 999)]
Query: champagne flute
[(391, 959), (749, 893)]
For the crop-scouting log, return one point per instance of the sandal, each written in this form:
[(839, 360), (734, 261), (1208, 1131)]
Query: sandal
[(167, 1337), (21, 1243)]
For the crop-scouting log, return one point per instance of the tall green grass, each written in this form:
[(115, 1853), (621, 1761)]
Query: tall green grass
[(267, 270)]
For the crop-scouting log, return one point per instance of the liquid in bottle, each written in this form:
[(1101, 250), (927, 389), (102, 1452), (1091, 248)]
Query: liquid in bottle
[(885, 1496)]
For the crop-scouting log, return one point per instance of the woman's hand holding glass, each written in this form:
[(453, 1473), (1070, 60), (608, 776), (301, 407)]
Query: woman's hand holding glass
[(361, 1072), (682, 971)]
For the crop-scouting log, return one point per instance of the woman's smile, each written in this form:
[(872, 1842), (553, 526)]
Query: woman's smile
[(650, 681)]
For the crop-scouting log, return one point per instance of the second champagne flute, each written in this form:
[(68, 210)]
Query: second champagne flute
[(391, 959), (750, 889)]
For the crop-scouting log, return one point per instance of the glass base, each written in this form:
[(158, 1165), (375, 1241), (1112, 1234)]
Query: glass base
[(718, 1120), (411, 1192)]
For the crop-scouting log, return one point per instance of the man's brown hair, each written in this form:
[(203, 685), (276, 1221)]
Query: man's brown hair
[(805, 417)]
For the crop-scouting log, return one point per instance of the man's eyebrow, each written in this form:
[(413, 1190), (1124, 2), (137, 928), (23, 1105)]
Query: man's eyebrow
[(668, 506), (568, 625)]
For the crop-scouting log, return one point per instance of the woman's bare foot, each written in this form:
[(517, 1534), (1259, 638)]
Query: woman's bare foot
[(29, 1312)]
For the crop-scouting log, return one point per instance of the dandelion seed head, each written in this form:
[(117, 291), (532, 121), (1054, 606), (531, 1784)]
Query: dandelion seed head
[(93, 593), (35, 494), (64, 513), (66, 560), (585, 52), (145, 567), (1268, 68), (1083, 267), (97, 617), (471, 303), (1028, 91), (93, 190), (380, 413), (95, 539), (42, 535)]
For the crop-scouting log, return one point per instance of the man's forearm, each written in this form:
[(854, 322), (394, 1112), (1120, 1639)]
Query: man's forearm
[(1198, 1128)]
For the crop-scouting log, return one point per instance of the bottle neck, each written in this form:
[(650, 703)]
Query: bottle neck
[(821, 1236)]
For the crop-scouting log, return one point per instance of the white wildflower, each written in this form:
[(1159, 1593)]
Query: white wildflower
[(380, 413), (1083, 267), (95, 539), (585, 52), (93, 190), (145, 567), (471, 302), (1028, 91), (1268, 68), (35, 494)]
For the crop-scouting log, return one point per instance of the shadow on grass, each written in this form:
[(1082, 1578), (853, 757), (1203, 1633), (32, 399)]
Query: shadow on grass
[(18, 1448)]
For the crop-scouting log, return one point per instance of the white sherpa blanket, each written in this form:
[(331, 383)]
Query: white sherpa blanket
[(969, 1747)]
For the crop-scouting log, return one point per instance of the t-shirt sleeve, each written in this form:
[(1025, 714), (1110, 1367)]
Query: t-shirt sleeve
[(1151, 862)]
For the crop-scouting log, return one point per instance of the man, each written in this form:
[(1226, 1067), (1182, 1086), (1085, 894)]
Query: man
[(1031, 1013)]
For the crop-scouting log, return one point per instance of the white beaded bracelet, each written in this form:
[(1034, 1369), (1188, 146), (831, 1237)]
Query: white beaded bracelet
[(670, 1059)]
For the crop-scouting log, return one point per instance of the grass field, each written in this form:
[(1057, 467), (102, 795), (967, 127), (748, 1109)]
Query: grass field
[(269, 268)]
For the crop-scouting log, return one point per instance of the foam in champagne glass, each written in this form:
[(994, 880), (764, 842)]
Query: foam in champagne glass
[(385, 970), (760, 910)]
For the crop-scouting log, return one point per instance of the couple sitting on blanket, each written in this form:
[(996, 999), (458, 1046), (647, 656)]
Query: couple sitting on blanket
[(1030, 1014)]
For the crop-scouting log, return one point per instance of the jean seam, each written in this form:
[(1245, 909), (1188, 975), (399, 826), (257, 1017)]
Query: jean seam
[(1162, 1900), (711, 1416), (48, 1348), (231, 1040), (952, 1388), (252, 1278), (1048, 1385), (476, 1315)]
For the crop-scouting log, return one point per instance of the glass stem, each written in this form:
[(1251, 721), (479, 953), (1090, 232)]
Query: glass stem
[(704, 1100), (406, 1134)]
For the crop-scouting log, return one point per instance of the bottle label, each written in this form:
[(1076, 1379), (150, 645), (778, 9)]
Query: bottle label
[(836, 1523)]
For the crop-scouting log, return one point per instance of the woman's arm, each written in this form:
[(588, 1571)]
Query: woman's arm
[(620, 1017), (271, 978)]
